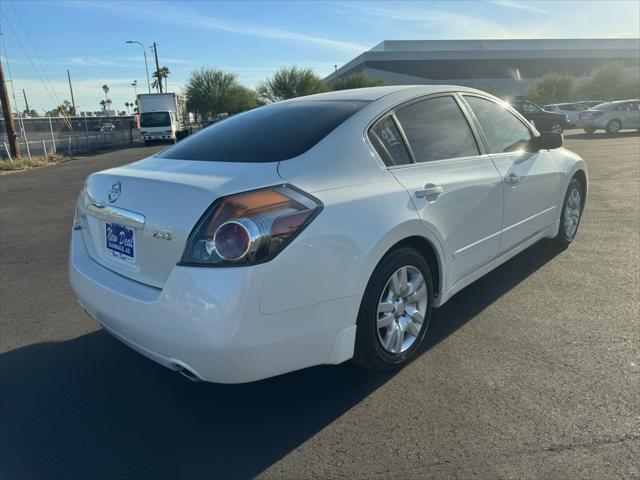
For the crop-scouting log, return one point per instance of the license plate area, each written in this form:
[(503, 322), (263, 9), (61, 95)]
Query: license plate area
[(120, 241)]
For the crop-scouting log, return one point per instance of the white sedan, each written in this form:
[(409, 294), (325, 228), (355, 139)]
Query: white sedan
[(318, 229)]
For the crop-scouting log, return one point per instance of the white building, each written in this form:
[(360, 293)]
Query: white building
[(508, 66)]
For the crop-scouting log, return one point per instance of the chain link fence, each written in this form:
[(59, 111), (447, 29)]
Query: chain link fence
[(49, 136)]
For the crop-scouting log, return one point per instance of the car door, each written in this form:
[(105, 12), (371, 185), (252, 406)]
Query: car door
[(535, 115), (569, 111), (456, 189), (579, 108), (531, 180), (632, 115)]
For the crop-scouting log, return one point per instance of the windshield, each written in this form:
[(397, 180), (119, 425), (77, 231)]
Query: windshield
[(602, 106), (267, 134), (155, 119)]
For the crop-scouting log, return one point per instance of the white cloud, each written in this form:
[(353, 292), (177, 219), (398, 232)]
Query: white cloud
[(518, 6), (172, 14), (440, 23), (94, 62)]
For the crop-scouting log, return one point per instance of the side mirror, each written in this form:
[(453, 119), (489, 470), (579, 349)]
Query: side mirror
[(546, 141)]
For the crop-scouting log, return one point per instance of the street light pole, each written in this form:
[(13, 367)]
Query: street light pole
[(144, 51)]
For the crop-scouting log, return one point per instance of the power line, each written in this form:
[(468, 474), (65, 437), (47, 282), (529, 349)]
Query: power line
[(24, 50), (26, 34)]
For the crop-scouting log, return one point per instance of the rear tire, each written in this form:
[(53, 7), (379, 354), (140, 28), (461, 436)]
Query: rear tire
[(613, 127), (395, 311), (571, 213)]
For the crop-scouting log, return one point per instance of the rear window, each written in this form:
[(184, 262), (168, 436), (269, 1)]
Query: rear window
[(267, 134), (602, 106)]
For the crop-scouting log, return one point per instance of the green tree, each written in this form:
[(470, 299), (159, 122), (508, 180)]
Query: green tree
[(290, 82), (242, 99), (211, 92), (356, 80), (30, 113), (65, 107), (158, 76), (612, 81), (552, 88)]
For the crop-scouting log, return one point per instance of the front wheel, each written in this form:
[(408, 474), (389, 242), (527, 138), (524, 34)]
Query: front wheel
[(571, 213), (613, 127), (395, 311), (556, 127)]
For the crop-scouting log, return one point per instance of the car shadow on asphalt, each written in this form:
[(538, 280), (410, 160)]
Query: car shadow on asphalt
[(91, 408)]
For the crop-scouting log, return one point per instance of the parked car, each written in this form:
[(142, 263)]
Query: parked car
[(570, 110), (591, 103), (107, 127), (318, 229), (611, 116), (544, 121)]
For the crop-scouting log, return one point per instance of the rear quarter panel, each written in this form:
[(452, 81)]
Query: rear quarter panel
[(336, 254)]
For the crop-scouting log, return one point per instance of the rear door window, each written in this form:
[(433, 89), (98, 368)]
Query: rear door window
[(436, 129)]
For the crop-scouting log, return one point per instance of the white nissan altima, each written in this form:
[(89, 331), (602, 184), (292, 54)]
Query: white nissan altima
[(318, 229)]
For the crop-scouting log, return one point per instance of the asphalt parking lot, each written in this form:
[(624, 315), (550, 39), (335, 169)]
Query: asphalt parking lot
[(531, 372)]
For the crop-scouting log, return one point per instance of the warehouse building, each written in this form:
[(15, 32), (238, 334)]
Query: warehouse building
[(507, 66)]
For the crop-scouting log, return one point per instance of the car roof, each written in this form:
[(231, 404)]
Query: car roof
[(375, 93)]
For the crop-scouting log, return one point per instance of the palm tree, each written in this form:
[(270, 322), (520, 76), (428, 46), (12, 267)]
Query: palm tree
[(158, 76), (126, 104), (103, 104), (105, 88)]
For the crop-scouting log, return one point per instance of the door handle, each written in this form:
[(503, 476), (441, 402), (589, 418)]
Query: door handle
[(430, 190), (513, 179)]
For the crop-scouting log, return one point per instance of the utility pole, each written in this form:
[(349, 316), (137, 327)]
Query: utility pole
[(25, 101), (73, 102), (155, 52), (8, 116)]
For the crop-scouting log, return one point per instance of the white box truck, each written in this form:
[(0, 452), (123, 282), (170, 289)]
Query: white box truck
[(163, 117)]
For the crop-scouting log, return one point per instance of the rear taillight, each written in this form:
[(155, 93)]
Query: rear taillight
[(249, 228)]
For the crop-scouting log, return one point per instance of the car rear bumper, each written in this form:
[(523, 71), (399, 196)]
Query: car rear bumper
[(207, 320)]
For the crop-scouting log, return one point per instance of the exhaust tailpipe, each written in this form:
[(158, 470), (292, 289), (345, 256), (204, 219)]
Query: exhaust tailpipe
[(185, 372)]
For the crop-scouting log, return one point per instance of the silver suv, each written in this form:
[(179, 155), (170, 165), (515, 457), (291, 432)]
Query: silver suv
[(611, 116)]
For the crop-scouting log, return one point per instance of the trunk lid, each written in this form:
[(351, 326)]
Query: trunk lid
[(136, 219)]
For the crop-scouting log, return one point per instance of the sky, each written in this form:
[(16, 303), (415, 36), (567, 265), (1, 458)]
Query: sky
[(42, 39)]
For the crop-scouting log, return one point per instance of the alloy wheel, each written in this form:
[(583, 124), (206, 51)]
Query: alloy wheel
[(572, 213), (402, 309), (556, 128), (614, 126)]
